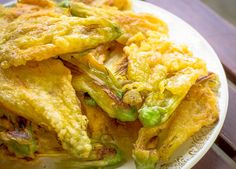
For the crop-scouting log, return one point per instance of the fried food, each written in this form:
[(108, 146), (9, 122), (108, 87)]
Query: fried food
[(123, 134), (40, 3), (117, 62), (202, 101), (16, 134), (87, 64), (199, 109), (89, 84), (21, 143), (3, 20), (42, 92), (28, 7), (151, 52), (93, 78), (119, 4), (166, 70), (107, 100), (29, 38), (130, 22)]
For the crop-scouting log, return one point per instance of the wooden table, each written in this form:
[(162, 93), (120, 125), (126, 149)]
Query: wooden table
[(222, 36)]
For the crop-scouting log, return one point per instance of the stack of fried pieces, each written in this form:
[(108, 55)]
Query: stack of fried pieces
[(93, 82)]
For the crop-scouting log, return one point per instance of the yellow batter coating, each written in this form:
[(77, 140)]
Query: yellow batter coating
[(42, 92), (199, 109), (119, 4), (29, 37)]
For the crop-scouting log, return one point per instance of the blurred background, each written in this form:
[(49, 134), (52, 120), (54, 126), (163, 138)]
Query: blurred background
[(225, 8)]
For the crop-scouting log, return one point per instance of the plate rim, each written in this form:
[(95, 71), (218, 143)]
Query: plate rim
[(224, 84)]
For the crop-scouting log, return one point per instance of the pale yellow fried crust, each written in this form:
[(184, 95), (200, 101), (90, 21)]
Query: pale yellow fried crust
[(101, 126), (199, 109), (44, 34), (130, 22), (41, 3), (42, 92), (153, 59), (119, 4)]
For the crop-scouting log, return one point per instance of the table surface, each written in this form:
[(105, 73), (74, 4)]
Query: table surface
[(222, 36)]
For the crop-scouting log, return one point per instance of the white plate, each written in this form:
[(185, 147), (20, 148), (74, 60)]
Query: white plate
[(181, 32)]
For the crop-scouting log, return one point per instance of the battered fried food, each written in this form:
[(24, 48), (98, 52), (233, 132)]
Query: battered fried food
[(81, 80), (16, 135), (117, 62), (123, 134), (93, 78), (30, 38), (130, 22), (119, 4), (199, 109), (42, 92), (27, 7), (151, 53), (166, 70), (41, 3), (3, 20)]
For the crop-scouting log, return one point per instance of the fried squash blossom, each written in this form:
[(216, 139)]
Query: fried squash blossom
[(92, 84)]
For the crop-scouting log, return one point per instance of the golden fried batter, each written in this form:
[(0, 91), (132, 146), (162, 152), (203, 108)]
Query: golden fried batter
[(29, 37), (101, 125), (123, 60), (29, 6), (152, 57), (120, 4), (42, 92), (3, 20), (130, 22), (197, 110), (41, 3)]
